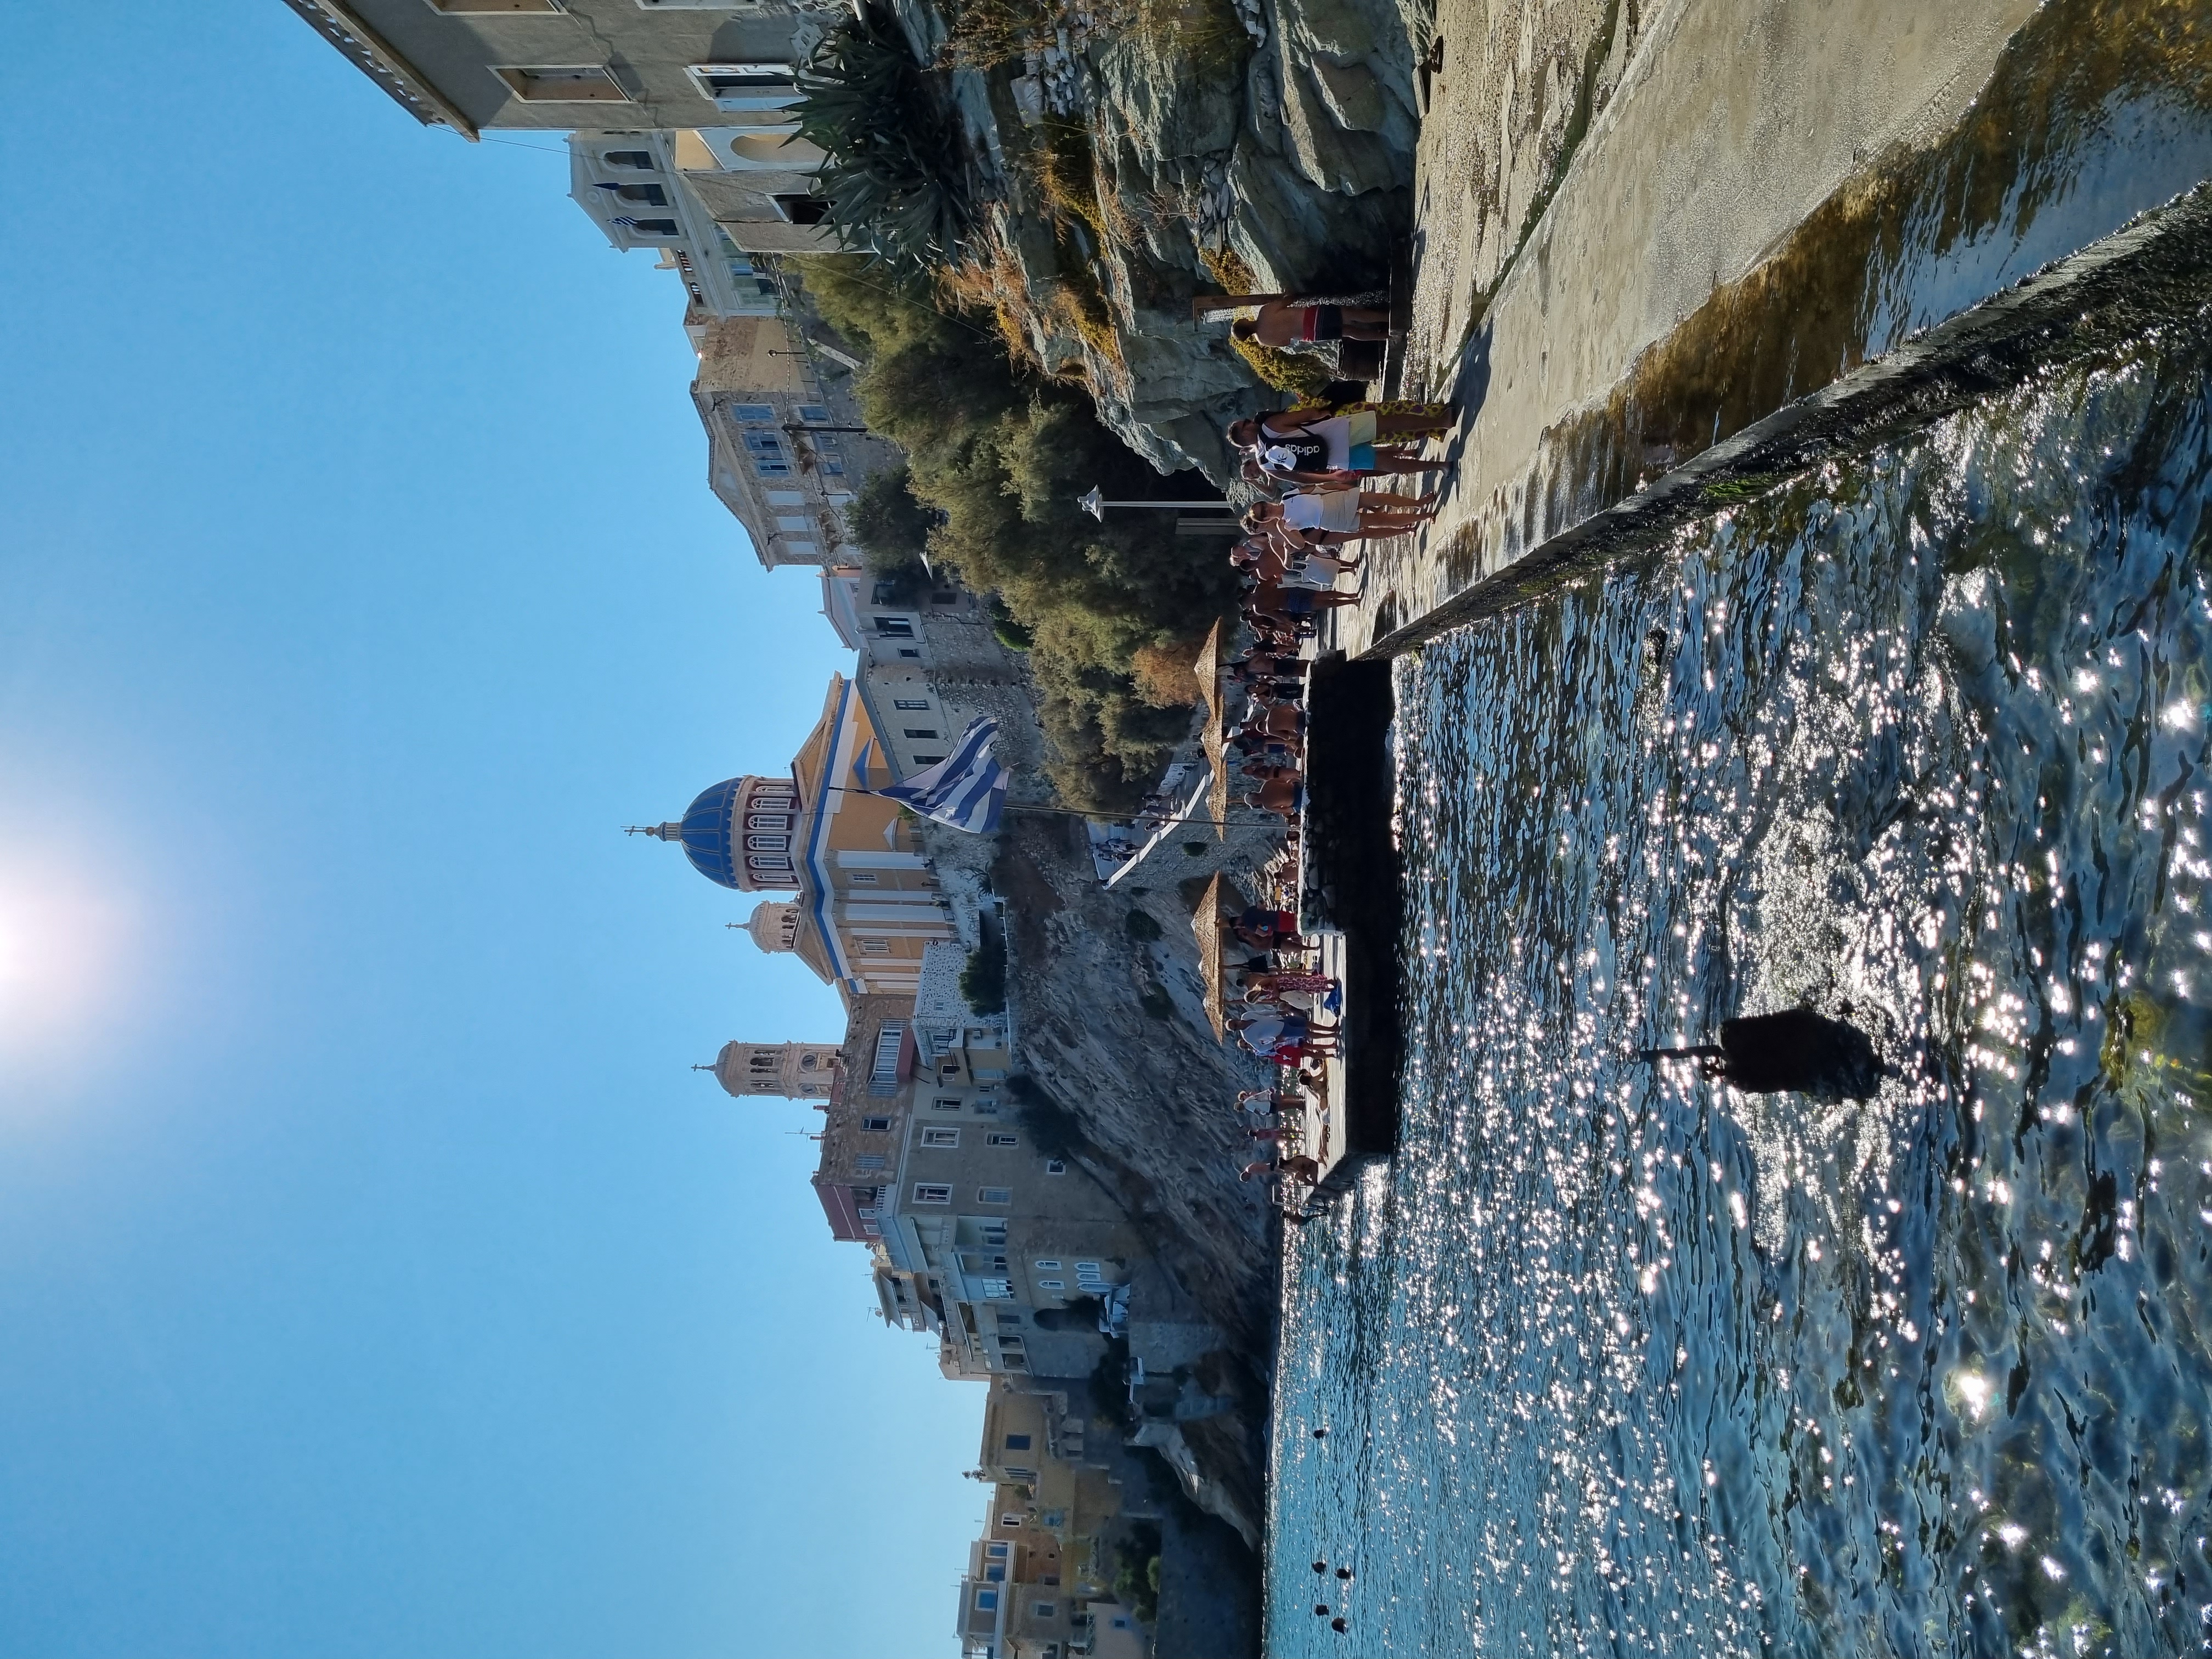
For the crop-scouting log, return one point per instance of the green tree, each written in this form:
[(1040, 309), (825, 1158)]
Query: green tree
[(998, 458), (892, 530)]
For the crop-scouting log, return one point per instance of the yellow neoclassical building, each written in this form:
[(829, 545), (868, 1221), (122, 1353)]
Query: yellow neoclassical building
[(847, 888)]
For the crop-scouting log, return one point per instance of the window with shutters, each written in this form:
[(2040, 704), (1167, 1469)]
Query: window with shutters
[(910, 703), (883, 1072), (767, 454), (931, 1191), (994, 1196), (562, 83), (746, 86), (876, 1126), (940, 1137), (1001, 1140)]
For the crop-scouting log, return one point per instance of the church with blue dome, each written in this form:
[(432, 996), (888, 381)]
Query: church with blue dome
[(855, 898), (740, 833)]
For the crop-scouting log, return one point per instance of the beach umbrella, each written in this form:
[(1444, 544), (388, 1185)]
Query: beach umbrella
[(1215, 742), (1208, 668), (1205, 924)]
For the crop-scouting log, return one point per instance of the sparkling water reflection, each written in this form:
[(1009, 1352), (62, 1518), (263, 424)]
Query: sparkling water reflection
[(1618, 1360)]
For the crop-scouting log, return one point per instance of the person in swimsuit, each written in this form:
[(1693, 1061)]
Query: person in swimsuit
[(1282, 323), (1321, 445), (1281, 794), (1336, 517), (1393, 421)]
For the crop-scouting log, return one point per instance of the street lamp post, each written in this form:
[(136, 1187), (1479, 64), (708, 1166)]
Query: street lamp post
[(1096, 504)]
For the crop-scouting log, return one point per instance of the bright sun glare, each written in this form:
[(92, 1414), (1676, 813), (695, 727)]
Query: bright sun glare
[(61, 954)]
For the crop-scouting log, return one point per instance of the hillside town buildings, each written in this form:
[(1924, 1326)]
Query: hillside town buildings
[(981, 1230)]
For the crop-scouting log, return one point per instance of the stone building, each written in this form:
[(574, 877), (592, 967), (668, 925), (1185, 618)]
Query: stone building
[(477, 64), (707, 87), (949, 1037), (846, 890), (632, 186), (865, 1115), (785, 450), (998, 1232), (931, 663), (1038, 1583)]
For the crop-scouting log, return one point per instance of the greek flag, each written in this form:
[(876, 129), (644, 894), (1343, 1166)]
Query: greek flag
[(967, 789)]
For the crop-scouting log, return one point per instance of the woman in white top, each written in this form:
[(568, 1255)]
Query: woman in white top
[(1332, 518)]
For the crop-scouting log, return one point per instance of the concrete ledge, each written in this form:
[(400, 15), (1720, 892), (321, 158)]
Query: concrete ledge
[(2156, 271)]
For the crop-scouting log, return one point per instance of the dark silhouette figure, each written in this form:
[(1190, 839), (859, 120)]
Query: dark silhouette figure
[(1321, 1609), (1344, 1572), (1320, 1434), (1339, 1625), (1321, 1566), (1795, 1049)]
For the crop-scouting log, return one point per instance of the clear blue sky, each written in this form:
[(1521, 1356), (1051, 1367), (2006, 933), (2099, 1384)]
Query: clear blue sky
[(375, 1277)]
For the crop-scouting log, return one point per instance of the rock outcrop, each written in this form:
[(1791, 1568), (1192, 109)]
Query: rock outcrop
[(1271, 141)]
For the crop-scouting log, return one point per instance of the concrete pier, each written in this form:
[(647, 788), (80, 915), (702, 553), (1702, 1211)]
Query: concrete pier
[(1350, 898), (1775, 203)]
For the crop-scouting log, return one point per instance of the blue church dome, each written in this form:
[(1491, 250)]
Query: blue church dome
[(708, 832)]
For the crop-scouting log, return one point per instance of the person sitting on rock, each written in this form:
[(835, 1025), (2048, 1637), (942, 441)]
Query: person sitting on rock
[(1285, 323)]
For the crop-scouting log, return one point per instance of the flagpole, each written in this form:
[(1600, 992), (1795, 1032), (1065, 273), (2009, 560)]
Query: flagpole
[(1072, 812)]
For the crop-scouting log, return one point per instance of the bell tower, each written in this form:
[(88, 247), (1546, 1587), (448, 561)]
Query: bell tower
[(792, 1071)]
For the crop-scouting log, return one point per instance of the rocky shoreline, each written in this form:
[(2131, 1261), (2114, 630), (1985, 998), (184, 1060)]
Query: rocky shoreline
[(1130, 168)]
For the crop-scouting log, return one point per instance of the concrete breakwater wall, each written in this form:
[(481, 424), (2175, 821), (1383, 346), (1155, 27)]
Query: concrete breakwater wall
[(1787, 233)]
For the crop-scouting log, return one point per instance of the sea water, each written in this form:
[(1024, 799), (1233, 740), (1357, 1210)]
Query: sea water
[(1614, 1359)]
